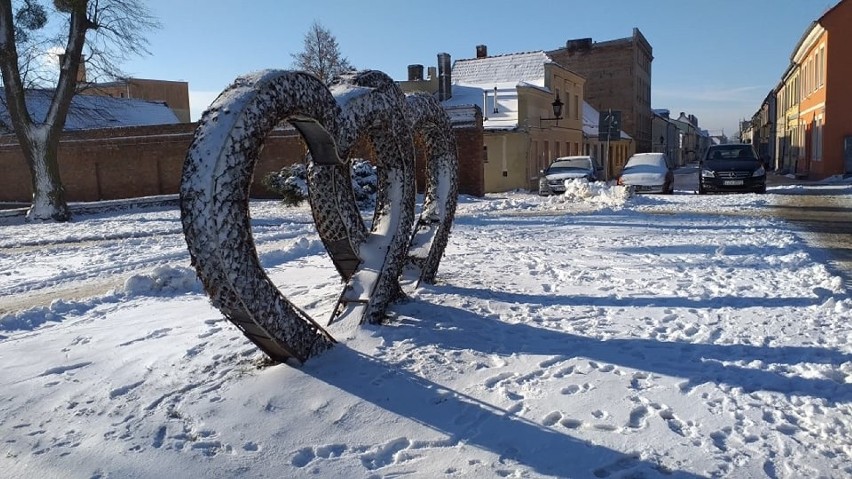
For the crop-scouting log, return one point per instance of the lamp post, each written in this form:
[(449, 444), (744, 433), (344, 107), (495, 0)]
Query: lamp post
[(557, 111)]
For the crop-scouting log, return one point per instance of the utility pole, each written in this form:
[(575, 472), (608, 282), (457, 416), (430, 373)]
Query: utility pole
[(606, 150)]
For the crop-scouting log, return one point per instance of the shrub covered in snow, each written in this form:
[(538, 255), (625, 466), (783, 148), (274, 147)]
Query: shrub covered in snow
[(364, 181), (292, 184)]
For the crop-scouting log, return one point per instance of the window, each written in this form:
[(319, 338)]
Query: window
[(817, 138), (576, 107), (536, 160)]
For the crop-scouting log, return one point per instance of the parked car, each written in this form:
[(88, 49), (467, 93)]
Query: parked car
[(648, 173), (731, 167), (552, 180)]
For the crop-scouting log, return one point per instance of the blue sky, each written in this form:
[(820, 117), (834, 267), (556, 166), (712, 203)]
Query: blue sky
[(715, 59)]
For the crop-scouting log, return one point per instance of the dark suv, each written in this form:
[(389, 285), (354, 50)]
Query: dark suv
[(731, 167)]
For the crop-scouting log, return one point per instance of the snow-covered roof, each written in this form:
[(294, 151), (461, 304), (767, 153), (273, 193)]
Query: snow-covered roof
[(506, 115), (461, 115), (513, 67), (591, 119), (92, 111), (475, 81)]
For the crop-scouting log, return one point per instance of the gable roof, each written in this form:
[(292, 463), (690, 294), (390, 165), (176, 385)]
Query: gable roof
[(510, 68), (92, 111), (493, 83)]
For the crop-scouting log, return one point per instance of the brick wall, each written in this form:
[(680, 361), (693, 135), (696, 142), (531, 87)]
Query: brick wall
[(128, 162), (134, 162)]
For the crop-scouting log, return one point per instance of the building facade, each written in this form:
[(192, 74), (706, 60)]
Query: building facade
[(618, 77), (667, 136), (763, 130), (613, 154), (813, 100), (532, 110), (788, 139)]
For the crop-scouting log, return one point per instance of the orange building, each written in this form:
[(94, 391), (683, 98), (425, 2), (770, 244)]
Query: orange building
[(821, 131)]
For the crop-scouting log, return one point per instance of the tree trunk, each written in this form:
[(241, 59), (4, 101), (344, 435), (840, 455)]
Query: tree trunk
[(39, 137), (41, 151)]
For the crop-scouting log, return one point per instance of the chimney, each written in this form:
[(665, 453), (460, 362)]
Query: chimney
[(445, 85), (481, 51), (81, 69), (415, 72), (579, 44), (432, 72)]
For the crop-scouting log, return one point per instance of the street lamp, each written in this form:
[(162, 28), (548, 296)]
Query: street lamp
[(557, 111)]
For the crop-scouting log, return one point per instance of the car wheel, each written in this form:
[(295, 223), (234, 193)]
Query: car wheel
[(701, 190), (762, 190)]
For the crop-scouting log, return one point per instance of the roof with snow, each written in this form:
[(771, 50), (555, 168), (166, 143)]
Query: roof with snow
[(91, 111), (513, 67), (462, 115), (499, 114), (492, 84)]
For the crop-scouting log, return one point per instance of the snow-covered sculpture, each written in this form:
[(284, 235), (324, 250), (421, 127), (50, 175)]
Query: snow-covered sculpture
[(217, 176)]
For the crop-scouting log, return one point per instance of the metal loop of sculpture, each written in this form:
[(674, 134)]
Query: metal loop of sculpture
[(374, 263)]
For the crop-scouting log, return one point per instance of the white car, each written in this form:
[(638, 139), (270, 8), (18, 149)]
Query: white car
[(648, 173), (552, 180)]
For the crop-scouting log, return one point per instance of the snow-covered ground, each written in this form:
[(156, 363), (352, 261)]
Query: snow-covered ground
[(595, 335)]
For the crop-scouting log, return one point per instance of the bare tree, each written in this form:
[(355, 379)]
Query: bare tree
[(321, 55), (104, 32)]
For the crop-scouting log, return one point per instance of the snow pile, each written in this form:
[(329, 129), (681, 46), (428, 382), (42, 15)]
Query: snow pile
[(163, 280), (57, 312), (301, 247), (580, 190)]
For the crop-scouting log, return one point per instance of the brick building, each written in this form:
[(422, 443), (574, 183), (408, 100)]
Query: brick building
[(618, 77), (813, 114), (175, 94)]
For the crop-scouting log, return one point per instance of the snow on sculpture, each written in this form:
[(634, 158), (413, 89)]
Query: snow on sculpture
[(431, 232), (217, 176)]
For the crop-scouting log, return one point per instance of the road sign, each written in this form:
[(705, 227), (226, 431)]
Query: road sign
[(609, 125)]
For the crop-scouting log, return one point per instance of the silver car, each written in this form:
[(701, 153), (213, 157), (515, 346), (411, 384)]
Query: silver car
[(648, 173), (552, 180)]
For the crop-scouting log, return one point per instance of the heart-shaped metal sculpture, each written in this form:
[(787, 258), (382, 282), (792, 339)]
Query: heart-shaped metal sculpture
[(217, 177)]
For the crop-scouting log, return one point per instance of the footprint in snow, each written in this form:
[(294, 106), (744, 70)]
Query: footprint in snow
[(638, 418), (552, 418), (576, 388), (493, 381), (618, 466)]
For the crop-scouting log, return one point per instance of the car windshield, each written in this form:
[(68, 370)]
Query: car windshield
[(644, 161), (569, 165), (732, 152)]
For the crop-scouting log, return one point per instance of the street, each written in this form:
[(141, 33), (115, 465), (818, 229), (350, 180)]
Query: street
[(822, 215)]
